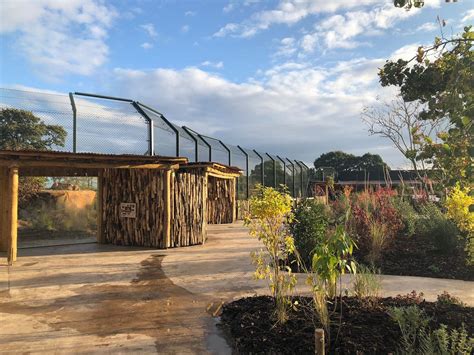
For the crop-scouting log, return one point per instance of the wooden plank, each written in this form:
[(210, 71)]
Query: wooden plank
[(3, 205), (100, 205), (167, 209), (84, 164), (12, 214)]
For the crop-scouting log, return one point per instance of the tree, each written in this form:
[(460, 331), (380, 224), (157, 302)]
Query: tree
[(399, 122), (344, 163), (440, 77), (20, 129)]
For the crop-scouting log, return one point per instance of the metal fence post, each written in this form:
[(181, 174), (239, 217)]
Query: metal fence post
[(168, 123), (274, 170), (293, 174), (246, 168), (263, 167), (301, 177), (151, 138), (228, 152), (74, 123), (196, 145), (284, 169)]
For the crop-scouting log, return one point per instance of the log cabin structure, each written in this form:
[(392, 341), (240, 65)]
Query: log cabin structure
[(149, 201)]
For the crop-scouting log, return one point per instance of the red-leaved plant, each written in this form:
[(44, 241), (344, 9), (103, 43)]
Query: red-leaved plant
[(374, 221)]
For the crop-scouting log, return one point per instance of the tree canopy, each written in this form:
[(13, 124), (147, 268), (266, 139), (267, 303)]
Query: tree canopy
[(20, 129), (440, 77), (343, 162)]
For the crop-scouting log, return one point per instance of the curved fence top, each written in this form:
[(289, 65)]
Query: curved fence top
[(110, 125)]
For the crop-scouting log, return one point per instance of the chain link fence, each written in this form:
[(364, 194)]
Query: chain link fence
[(110, 125)]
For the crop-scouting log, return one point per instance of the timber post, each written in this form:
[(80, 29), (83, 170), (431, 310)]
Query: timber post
[(3, 209), (167, 216), (12, 214), (100, 209)]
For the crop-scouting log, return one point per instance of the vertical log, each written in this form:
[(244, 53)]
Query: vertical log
[(319, 346), (3, 209), (234, 199), (100, 207), (205, 203), (167, 209), (12, 214)]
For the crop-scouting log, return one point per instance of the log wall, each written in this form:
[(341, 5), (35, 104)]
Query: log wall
[(146, 188), (220, 200), (188, 200)]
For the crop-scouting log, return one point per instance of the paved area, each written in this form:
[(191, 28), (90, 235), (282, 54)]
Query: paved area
[(91, 298)]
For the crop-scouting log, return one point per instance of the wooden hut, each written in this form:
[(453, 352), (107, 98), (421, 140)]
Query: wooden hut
[(221, 190), (149, 201)]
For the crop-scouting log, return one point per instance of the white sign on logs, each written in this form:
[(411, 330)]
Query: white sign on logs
[(128, 210)]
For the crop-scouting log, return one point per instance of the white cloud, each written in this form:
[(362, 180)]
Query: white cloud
[(287, 47), (287, 12), (427, 27), (59, 37), (228, 8), (217, 65), (150, 29), (146, 45), (190, 13), (185, 29), (293, 109), (468, 16)]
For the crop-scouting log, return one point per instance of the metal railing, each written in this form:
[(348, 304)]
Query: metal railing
[(114, 125)]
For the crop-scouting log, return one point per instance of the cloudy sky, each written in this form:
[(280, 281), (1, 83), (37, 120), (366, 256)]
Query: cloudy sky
[(288, 77)]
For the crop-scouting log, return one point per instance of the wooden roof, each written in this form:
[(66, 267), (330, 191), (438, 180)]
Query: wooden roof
[(52, 163), (215, 169)]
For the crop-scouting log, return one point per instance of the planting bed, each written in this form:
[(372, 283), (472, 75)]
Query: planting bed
[(417, 256), (364, 326)]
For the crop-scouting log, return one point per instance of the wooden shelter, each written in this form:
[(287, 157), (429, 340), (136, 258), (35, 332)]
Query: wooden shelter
[(221, 190), (150, 201)]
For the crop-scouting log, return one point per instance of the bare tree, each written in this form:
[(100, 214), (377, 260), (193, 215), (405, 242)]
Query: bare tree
[(398, 121)]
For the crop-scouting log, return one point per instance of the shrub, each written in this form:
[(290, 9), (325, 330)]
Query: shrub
[(367, 283), (374, 216), (417, 338), (458, 204), (268, 220), (434, 225), (309, 227), (408, 216)]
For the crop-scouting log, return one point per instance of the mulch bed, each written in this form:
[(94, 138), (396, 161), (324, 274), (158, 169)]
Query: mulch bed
[(365, 326), (417, 256)]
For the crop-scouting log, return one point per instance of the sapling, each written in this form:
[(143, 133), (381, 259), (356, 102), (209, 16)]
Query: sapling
[(268, 220)]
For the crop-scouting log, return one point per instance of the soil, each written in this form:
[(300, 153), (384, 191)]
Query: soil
[(417, 256), (365, 327)]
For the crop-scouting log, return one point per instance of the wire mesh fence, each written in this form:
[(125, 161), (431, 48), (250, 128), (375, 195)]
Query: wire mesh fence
[(110, 125)]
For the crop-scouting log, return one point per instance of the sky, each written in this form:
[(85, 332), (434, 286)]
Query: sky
[(288, 77)]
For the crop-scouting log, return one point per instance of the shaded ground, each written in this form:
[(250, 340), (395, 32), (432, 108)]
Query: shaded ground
[(364, 326), (417, 256)]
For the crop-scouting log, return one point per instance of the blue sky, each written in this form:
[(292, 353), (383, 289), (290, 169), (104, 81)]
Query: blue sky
[(288, 77)]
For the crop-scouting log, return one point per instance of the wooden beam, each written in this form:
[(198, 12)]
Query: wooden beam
[(100, 206), (234, 201), (12, 214), (167, 216), (205, 201), (58, 171), (84, 164), (3, 206)]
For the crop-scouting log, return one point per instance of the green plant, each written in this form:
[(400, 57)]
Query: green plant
[(367, 282), (379, 237), (268, 220), (446, 298), (408, 215), (434, 225), (412, 322), (309, 227), (417, 338), (458, 204)]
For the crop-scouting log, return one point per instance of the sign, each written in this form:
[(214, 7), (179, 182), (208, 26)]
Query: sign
[(128, 210)]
